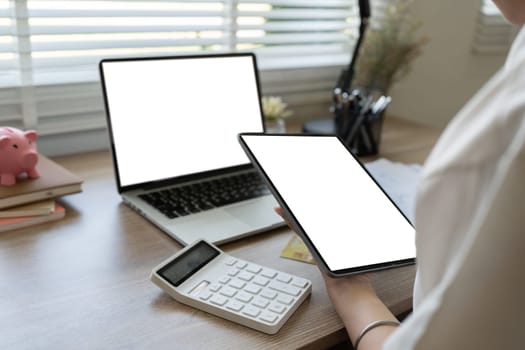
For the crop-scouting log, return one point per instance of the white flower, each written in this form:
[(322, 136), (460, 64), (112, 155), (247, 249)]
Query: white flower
[(274, 108)]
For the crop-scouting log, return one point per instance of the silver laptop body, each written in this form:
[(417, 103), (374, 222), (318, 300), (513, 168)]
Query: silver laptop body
[(174, 121)]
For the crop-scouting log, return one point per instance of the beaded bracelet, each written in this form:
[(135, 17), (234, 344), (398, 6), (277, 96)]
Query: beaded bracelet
[(373, 325)]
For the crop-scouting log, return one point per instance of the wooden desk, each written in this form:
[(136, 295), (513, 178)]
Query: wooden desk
[(83, 282)]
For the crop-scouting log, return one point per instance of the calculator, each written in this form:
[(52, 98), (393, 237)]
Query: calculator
[(204, 277)]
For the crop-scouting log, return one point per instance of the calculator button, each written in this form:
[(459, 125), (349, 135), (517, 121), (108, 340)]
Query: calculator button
[(284, 278), (277, 308), (237, 284), (251, 311), (260, 302), (241, 265), (268, 294), (285, 299), (224, 279), (205, 295), (228, 292), (269, 317), (285, 288), (245, 276), (253, 268), (233, 272), (231, 261), (218, 300), (299, 282), (261, 281), (251, 288), (268, 273), (235, 305), (214, 287), (244, 297)]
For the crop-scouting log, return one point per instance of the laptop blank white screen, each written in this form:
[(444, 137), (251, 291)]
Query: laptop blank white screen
[(344, 213), (180, 116)]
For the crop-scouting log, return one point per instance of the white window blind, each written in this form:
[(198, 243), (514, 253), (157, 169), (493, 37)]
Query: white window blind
[(8, 48), (50, 49), (64, 40), (493, 34), (10, 99)]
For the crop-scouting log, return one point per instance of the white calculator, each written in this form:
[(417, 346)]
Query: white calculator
[(203, 276)]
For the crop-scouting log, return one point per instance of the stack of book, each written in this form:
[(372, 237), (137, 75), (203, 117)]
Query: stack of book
[(34, 201)]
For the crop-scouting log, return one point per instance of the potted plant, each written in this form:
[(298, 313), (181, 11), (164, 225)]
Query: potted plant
[(390, 46), (275, 112)]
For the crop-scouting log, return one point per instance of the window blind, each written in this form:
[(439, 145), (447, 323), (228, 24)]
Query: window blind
[(11, 106), (8, 46), (50, 49), (493, 34), (66, 39)]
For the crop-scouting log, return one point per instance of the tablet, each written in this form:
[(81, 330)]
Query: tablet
[(343, 216)]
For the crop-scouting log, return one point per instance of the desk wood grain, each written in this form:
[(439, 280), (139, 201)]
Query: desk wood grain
[(83, 282)]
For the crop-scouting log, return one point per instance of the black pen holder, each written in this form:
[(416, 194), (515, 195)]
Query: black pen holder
[(359, 121), (367, 139)]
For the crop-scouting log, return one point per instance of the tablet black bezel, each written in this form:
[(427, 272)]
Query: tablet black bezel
[(296, 226)]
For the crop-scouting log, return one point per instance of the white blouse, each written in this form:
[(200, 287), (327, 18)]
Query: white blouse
[(469, 291)]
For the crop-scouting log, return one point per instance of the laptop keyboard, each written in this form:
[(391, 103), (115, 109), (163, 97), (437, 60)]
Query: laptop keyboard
[(197, 197)]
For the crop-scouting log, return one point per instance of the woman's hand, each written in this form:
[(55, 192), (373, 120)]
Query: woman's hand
[(343, 289), (340, 289), (357, 304)]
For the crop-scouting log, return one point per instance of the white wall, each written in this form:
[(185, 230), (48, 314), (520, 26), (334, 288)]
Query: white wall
[(448, 73)]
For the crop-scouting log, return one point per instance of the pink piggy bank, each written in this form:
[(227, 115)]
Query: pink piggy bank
[(18, 154)]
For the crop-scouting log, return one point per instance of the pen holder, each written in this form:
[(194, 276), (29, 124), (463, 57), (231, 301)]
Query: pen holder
[(367, 140), (359, 120)]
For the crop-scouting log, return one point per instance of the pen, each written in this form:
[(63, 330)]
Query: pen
[(381, 104), (363, 112), (368, 139)]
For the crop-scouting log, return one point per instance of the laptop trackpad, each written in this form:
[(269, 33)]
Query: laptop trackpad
[(256, 213), (226, 224)]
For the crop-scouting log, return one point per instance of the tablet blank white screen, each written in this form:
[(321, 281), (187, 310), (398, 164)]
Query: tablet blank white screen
[(344, 213)]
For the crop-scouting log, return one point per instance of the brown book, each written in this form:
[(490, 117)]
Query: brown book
[(10, 224), (54, 181), (44, 207)]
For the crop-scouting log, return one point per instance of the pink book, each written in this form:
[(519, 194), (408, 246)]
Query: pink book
[(14, 223)]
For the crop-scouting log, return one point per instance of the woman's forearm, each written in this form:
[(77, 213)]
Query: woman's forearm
[(358, 306)]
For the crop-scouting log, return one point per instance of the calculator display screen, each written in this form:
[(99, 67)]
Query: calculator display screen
[(185, 265)]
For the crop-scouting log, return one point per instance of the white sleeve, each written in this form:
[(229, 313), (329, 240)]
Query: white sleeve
[(480, 301)]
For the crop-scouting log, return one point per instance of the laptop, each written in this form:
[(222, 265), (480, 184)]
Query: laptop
[(173, 125)]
